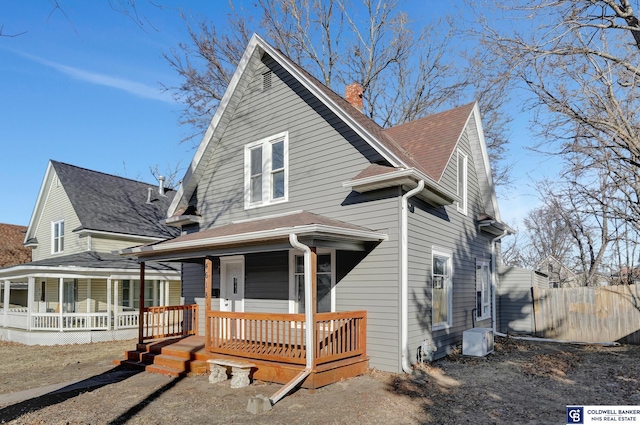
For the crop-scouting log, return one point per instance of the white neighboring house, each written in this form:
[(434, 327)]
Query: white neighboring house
[(75, 290)]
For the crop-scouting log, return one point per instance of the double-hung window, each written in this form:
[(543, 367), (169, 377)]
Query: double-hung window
[(483, 290), (442, 293), (57, 236), (325, 282), (266, 171), (462, 182)]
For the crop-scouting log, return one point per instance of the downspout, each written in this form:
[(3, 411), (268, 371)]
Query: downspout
[(404, 276), (309, 334)]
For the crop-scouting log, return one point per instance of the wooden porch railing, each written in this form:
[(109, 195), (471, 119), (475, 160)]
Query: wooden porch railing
[(281, 337), (166, 321)]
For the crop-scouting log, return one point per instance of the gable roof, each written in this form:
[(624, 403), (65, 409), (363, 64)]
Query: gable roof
[(12, 249), (430, 141), (403, 147), (108, 203)]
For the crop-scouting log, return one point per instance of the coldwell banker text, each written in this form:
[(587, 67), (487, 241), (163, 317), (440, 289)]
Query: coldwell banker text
[(599, 414)]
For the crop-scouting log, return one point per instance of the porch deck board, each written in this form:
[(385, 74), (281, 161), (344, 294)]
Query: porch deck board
[(191, 350)]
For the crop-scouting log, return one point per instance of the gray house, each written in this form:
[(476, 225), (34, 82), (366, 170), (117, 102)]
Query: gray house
[(75, 290), (300, 214)]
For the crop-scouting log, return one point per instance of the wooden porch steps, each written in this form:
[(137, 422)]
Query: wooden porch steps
[(171, 357)]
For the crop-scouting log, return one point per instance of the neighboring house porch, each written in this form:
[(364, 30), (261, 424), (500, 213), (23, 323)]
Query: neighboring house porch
[(78, 295)]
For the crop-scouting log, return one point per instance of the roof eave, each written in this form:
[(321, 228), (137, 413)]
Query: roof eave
[(181, 220), (433, 193), (254, 237)]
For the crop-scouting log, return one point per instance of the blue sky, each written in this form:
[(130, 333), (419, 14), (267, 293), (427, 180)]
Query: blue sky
[(83, 87)]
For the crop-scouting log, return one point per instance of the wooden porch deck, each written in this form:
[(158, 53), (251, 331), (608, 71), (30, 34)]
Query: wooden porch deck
[(183, 356)]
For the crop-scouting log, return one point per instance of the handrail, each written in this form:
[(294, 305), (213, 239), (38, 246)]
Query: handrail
[(281, 337), (167, 321)]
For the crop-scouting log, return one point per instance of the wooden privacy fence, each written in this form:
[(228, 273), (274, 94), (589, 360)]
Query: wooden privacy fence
[(604, 314)]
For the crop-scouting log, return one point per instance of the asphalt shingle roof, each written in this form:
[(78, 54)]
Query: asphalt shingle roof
[(99, 260), (108, 203), (12, 250)]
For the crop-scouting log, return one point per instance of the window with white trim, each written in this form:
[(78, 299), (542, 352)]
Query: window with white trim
[(130, 293), (442, 291), (266, 171), (462, 182), (325, 282), (57, 236), (483, 290)]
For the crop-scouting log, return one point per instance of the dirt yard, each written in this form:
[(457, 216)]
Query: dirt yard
[(521, 383)]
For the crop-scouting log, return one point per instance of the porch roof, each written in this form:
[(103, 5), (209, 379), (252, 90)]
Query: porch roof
[(269, 229), (86, 262)]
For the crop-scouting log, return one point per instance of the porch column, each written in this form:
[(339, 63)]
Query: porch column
[(141, 298), (89, 295), (60, 304), (116, 304), (7, 298), (31, 289), (208, 281), (314, 300), (109, 309), (162, 298)]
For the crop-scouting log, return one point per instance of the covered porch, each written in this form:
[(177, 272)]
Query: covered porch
[(63, 304), (271, 300)]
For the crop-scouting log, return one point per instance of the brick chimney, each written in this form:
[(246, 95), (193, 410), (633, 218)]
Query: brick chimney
[(353, 95)]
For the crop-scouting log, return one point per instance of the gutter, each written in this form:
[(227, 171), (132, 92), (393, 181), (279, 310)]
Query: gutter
[(308, 300), (404, 276)]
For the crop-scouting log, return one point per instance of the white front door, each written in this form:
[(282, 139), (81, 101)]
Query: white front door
[(232, 284)]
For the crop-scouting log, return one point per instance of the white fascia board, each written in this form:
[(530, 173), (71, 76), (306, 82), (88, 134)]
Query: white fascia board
[(283, 232), (22, 272), (362, 132), (411, 173), (37, 209), (455, 147), (181, 220), (485, 158), (120, 235), (193, 171)]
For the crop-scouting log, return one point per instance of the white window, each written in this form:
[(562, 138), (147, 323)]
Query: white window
[(462, 182), (57, 236), (130, 294), (266, 178), (442, 293), (325, 282), (70, 296), (483, 290)]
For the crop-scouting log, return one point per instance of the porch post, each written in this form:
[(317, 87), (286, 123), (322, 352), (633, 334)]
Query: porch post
[(208, 282), (141, 298), (162, 297), (109, 303), (167, 299), (31, 287), (7, 298), (116, 304), (60, 304), (314, 301), (89, 295)]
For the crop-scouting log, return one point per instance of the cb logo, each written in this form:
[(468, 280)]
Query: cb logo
[(575, 415)]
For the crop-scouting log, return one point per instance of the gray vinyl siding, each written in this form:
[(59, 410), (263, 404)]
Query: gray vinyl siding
[(100, 244), (266, 282), (447, 229), (57, 207), (193, 285), (323, 153), (514, 299)]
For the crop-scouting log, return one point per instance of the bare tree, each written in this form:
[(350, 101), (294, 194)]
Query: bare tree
[(580, 63), (407, 70)]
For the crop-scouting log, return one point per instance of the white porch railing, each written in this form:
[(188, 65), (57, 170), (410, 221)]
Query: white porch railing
[(19, 318)]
